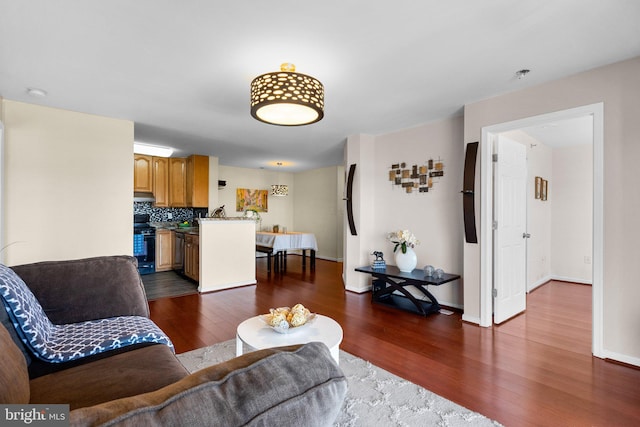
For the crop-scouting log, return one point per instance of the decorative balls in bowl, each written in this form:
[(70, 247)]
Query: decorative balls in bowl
[(285, 320)]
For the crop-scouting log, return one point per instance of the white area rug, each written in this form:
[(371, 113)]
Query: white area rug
[(375, 398)]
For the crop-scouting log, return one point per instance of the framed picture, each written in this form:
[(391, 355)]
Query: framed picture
[(538, 187), (543, 193), (251, 199)]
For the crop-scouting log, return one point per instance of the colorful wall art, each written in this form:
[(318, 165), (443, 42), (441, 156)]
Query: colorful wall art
[(251, 199)]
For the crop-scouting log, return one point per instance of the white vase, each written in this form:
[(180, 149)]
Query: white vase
[(406, 262)]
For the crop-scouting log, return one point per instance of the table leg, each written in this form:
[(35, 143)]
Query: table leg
[(239, 348), (313, 259), (383, 290), (268, 262), (304, 259), (434, 302), (335, 353), (284, 260)]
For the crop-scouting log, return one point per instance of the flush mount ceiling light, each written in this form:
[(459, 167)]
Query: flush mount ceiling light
[(287, 98), (152, 150), (279, 189)]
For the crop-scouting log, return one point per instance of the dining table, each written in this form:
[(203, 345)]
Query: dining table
[(277, 245)]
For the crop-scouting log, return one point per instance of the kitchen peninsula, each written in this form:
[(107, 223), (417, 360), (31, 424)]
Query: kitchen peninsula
[(227, 253)]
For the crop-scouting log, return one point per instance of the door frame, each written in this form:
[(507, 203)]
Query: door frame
[(488, 136), (2, 244)]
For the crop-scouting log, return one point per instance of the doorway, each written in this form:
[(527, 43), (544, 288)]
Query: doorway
[(489, 136), (2, 244)]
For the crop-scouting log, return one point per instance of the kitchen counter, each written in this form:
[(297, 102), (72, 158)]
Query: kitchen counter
[(227, 253), (174, 227), (186, 230)]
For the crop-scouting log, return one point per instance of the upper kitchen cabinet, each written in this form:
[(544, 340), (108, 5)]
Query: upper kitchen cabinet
[(177, 182), (161, 181), (142, 173), (198, 181)]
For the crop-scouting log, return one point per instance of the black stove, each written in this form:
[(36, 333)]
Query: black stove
[(144, 244)]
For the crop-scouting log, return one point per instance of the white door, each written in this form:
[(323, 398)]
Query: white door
[(510, 215)]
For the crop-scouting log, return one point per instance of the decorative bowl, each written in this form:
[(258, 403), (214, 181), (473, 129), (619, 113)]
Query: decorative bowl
[(288, 329)]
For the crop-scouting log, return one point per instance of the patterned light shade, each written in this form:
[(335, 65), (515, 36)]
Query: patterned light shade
[(279, 190), (287, 98)]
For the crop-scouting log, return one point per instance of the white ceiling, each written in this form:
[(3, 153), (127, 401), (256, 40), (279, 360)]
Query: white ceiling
[(563, 133), (181, 69)]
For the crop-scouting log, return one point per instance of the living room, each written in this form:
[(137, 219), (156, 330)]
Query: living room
[(67, 179)]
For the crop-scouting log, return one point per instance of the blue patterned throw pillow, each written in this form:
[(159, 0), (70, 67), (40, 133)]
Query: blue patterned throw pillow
[(62, 343)]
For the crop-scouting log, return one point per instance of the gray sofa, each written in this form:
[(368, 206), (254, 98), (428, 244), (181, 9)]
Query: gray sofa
[(146, 384)]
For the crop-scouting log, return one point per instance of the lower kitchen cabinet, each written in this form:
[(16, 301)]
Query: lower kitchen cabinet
[(192, 256), (164, 250), (178, 251)]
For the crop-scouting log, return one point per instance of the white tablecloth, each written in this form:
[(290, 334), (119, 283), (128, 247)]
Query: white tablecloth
[(285, 242)]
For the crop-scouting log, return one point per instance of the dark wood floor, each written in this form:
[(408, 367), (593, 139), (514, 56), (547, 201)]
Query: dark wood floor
[(167, 283), (535, 370)]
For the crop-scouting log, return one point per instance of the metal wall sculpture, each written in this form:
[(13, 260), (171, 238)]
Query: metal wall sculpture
[(420, 178)]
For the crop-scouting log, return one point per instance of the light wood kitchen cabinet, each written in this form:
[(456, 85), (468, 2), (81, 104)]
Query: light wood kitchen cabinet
[(178, 251), (192, 256), (175, 182), (142, 173), (161, 181), (178, 182), (164, 250), (197, 181)]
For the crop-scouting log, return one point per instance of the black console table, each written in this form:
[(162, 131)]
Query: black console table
[(389, 280)]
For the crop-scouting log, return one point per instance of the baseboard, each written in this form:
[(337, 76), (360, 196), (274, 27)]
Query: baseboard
[(538, 283), (572, 280), (299, 253), (622, 358), (470, 319), (358, 290), (550, 277)]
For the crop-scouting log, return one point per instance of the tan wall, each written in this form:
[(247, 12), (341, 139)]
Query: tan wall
[(68, 181), (280, 209), (317, 208), (380, 208), (617, 86), (314, 203), (572, 213)]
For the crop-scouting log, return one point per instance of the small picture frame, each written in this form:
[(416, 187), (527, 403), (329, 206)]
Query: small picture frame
[(543, 193), (538, 187)]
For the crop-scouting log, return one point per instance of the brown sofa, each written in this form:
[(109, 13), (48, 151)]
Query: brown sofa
[(146, 384)]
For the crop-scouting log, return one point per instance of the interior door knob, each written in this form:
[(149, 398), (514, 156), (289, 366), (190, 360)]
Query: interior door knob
[(526, 235)]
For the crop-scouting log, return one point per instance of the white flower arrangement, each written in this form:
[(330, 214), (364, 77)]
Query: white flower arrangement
[(252, 213), (402, 239)]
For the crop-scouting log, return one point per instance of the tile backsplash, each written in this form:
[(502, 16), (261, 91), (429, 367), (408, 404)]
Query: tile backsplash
[(162, 214)]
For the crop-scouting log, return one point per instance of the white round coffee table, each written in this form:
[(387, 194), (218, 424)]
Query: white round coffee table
[(256, 334)]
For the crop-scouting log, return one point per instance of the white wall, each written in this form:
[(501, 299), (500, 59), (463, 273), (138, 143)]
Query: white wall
[(314, 203), (68, 184), (571, 196), (617, 87), (539, 217), (280, 208), (434, 217), (561, 227), (318, 208)]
